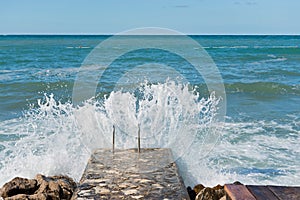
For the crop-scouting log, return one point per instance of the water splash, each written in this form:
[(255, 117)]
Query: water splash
[(45, 140), (56, 138), (169, 116)]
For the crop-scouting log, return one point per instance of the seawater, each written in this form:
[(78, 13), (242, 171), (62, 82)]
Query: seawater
[(41, 131)]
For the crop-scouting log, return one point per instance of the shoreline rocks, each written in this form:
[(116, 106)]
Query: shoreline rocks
[(200, 192), (40, 188), (63, 187)]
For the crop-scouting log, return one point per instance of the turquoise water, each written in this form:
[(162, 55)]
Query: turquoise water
[(260, 140)]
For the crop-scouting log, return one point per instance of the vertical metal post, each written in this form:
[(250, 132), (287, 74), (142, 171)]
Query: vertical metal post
[(114, 132), (139, 139)]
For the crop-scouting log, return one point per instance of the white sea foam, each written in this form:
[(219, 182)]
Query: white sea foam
[(273, 58), (280, 59), (78, 47), (57, 73), (254, 153), (54, 138), (247, 47), (276, 47), (5, 77), (45, 140), (227, 47)]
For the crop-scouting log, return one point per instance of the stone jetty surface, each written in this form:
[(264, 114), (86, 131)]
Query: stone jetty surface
[(127, 174)]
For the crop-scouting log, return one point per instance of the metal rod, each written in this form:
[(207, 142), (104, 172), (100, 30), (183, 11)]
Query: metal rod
[(114, 132), (139, 140)]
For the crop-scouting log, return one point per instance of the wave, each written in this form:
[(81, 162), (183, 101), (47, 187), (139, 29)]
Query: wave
[(276, 47), (5, 77), (226, 47), (51, 136), (262, 88), (251, 47), (78, 47), (279, 72), (274, 160), (271, 60), (280, 59)]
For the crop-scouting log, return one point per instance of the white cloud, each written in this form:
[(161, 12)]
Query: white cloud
[(246, 2), (181, 6)]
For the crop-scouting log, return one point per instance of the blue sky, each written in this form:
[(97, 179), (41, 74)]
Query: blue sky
[(113, 16)]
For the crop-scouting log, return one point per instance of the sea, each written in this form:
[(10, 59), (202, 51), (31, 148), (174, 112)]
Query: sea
[(157, 93)]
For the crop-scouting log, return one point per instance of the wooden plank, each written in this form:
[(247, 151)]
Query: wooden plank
[(261, 192), (286, 193), (238, 192)]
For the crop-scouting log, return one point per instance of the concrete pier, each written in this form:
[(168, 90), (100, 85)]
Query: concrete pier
[(127, 174)]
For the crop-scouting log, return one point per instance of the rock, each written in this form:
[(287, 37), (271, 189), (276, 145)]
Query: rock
[(40, 188), (17, 197), (100, 190), (28, 197), (237, 183), (206, 194), (220, 193), (192, 193), (67, 186), (56, 186), (198, 188), (38, 197), (18, 186), (215, 193), (137, 197), (130, 192), (218, 187), (40, 178), (223, 198)]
